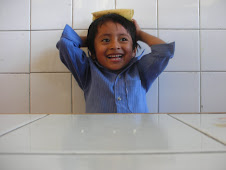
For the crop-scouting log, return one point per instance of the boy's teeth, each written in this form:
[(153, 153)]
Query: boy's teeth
[(114, 56)]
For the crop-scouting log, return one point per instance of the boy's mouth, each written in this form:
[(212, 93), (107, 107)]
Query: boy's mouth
[(115, 57)]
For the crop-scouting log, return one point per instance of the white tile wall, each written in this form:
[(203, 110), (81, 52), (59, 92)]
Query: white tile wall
[(50, 14), (82, 11), (179, 92), (15, 15), (14, 90), (187, 54), (31, 54), (213, 50), (44, 55), (212, 14), (16, 60), (178, 13), (50, 92), (213, 91)]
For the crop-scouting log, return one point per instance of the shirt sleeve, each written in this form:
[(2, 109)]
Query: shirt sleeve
[(72, 56), (151, 65)]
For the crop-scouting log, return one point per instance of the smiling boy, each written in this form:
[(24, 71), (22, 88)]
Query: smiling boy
[(112, 78)]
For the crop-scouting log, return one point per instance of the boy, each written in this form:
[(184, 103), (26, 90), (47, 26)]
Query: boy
[(112, 78)]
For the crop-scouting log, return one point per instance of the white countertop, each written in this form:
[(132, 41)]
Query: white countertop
[(110, 141)]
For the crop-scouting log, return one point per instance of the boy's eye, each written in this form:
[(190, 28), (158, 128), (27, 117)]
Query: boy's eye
[(123, 39), (105, 40)]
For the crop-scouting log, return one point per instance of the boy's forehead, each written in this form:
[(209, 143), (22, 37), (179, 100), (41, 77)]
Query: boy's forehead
[(111, 26)]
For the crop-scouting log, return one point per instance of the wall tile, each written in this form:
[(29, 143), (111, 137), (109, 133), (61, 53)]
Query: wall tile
[(213, 50), (145, 11), (187, 54), (82, 14), (50, 14), (16, 60), (44, 54), (14, 90), (78, 99), (15, 15), (212, 14), (152, 97), (50, 92), (179, 92), (213, 91), (178, 14)]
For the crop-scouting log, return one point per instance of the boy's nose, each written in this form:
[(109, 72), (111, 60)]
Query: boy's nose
[(115, 45)]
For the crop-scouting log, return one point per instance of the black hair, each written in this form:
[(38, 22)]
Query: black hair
[(93, 29)]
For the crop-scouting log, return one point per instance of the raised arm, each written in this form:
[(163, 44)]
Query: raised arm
[(145, 37)]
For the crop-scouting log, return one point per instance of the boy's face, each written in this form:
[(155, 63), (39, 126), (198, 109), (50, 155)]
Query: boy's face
[(113, 46)]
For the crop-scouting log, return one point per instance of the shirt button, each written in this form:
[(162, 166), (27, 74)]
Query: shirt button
[(119, 98)]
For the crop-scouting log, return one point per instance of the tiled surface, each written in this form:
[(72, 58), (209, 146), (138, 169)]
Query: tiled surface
[(213, 92), (145, 11), (128, 141), (51, 14), (208, 161), (10, 122), (16, 60), (15, 15), (213, 125), (187, 54), (179, 92), (50, 92), (212, 14), (14, 90), (96, 134), (178, 14), (82, 15), (212, 54), (44, 54)]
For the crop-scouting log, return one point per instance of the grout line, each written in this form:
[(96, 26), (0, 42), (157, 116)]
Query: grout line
[(23, 125), (72, 13), (200, 64), (182, 29), (206, 134), (163, 71), (157, 25), (199, 5), (146, 28), (157, 13), (200, 74), (30, 63)]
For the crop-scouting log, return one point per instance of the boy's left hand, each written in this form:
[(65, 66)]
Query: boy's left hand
[(138, 29)]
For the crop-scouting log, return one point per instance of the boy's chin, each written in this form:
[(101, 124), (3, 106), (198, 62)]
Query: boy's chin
[(115, 69)]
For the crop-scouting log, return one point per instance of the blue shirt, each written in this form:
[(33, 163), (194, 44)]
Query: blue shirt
[(109, 92)]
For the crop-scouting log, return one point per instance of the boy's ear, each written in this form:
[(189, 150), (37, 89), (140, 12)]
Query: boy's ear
[(93, 56), (134, 52)]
